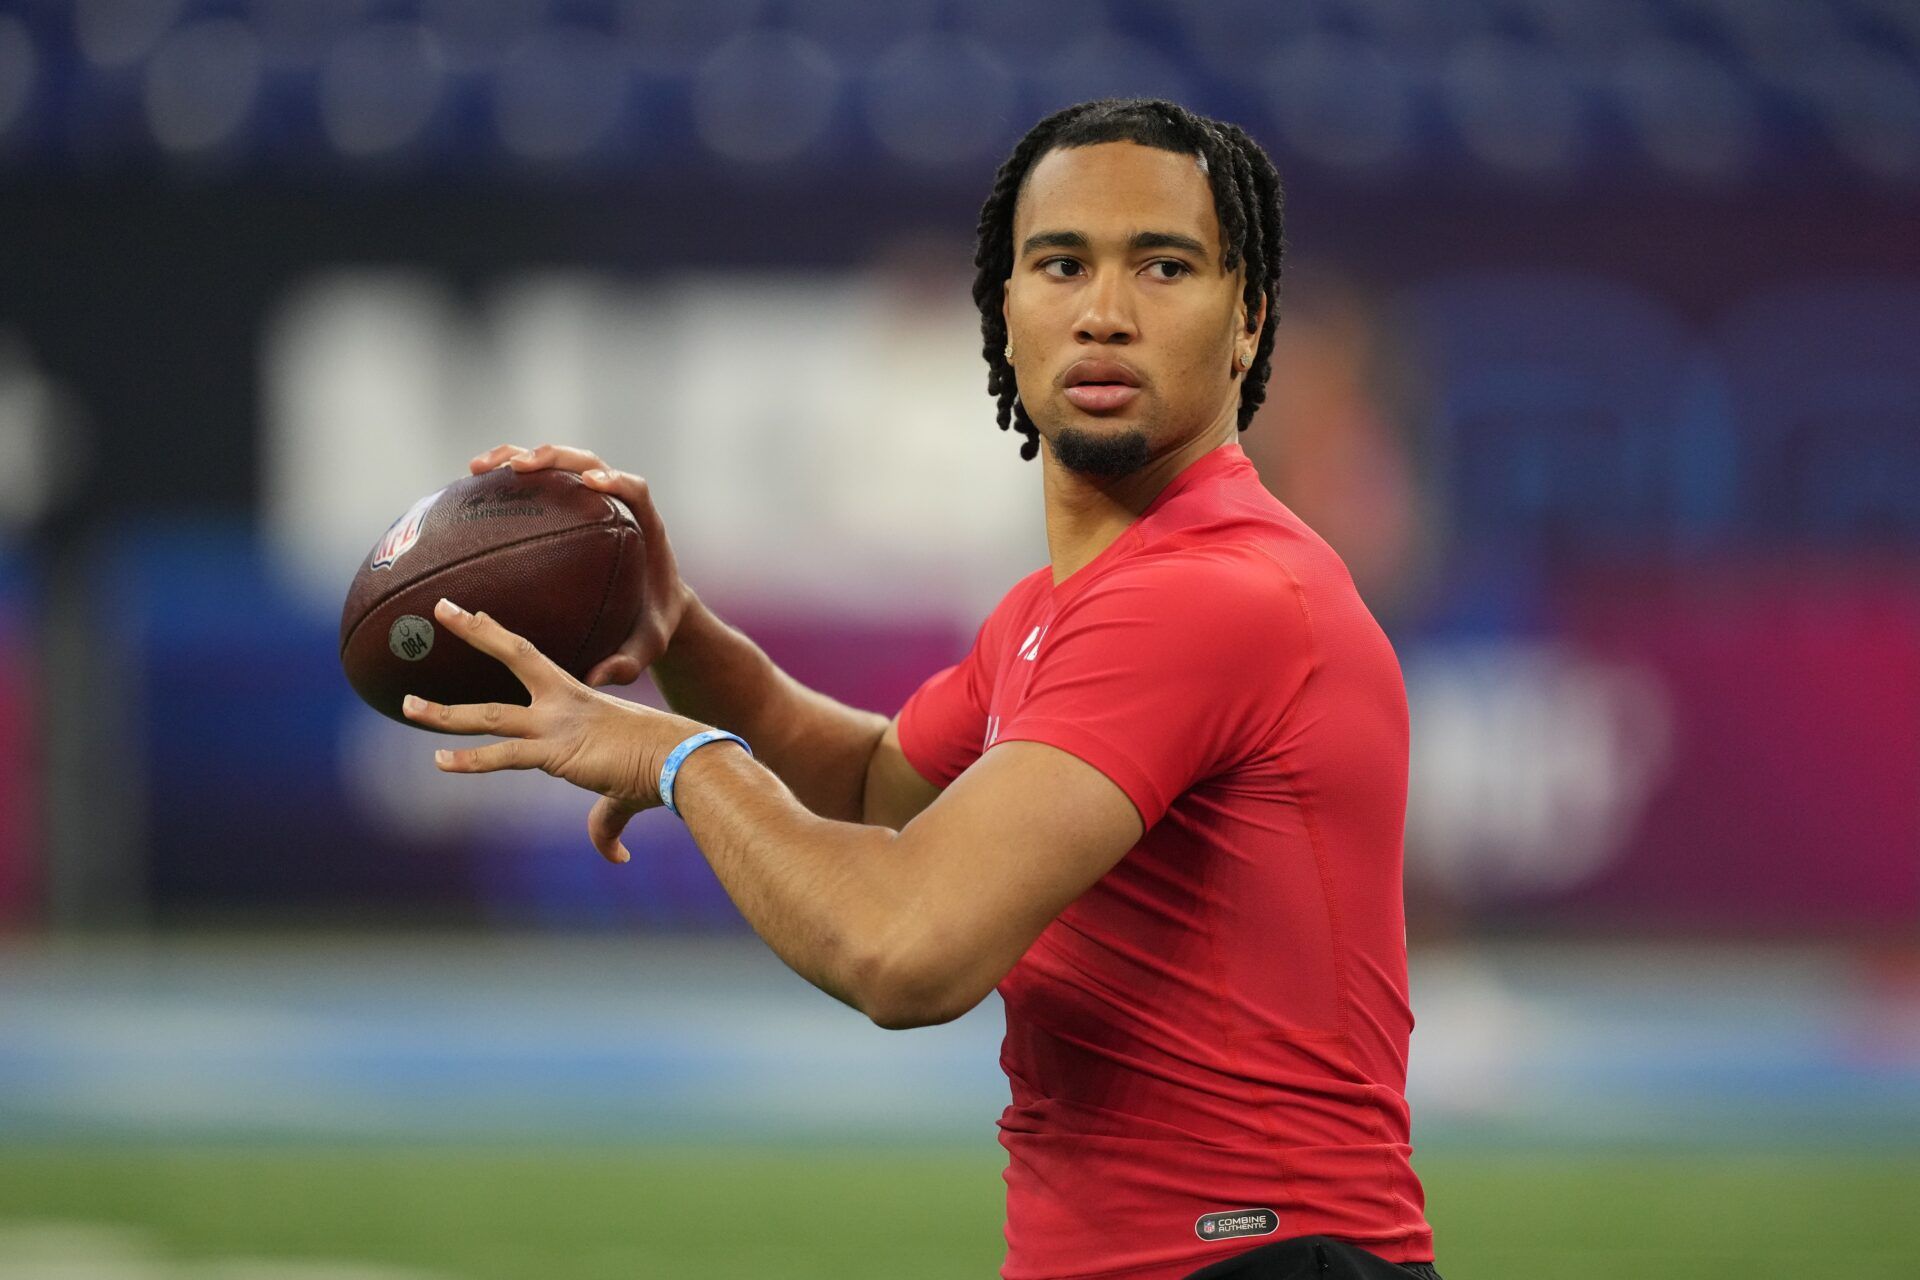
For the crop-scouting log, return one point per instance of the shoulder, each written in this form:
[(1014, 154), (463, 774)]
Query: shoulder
[(1019, 601), (1194, 588)]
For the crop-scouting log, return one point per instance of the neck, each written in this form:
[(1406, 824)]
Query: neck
[(1086, 513)]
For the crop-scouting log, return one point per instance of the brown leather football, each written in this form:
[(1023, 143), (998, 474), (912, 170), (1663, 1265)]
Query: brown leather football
[(549, 558)]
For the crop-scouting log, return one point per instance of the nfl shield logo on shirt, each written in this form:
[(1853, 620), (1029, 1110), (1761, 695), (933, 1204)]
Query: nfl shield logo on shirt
[(1232, 1224)]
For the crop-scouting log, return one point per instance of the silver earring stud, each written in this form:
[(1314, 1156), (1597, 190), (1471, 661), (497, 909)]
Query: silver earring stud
[(1008, 353), (1244, 360)]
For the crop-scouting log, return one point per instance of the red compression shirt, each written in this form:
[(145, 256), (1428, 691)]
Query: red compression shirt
[(1219, 1025)]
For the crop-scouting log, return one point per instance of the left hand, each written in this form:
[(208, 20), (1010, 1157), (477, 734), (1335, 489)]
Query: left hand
[(594, 741)]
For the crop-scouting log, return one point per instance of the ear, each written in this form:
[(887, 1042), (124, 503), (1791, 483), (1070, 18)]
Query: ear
[(1259, 319), (1249, 331)]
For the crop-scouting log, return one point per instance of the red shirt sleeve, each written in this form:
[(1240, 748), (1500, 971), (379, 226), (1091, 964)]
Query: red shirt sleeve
[(944, 723), (1169, 671)]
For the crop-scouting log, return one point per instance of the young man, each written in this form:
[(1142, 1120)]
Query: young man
[(1158, 805)]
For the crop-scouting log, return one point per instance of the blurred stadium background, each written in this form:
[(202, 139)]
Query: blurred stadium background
[(1599, 362)]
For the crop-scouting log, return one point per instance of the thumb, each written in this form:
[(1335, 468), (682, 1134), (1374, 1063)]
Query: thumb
[(604, 825), (622, 669)]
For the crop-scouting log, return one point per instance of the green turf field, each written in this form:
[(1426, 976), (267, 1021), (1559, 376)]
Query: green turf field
[(597, 1215)]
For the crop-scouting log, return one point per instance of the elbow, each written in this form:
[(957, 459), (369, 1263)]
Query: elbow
[(900, 993), (907, 1017)]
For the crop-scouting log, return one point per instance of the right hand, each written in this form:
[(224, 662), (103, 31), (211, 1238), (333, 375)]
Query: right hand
[(665, 597)]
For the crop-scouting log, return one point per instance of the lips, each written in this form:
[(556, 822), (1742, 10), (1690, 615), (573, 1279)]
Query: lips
[(1100, 386)]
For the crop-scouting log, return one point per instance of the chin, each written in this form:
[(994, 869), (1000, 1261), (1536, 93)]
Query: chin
[(1108, 449)]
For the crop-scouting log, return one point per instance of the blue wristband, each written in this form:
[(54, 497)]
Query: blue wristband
[(678, 756)]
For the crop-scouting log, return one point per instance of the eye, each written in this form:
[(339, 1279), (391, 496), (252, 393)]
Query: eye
[(1168, 269), (1062, 268)]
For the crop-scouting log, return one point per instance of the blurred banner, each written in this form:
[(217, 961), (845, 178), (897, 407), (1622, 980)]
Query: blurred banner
[(1596, 364), (1664, 658)]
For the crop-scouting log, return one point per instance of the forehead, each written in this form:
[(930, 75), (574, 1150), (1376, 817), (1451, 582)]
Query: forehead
[(1115, 189)]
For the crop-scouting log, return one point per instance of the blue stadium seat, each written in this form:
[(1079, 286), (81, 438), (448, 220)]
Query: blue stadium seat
[(1824, 383), (1708, 87)]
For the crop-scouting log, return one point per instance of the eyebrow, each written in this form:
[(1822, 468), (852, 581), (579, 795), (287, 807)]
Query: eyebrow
[(1140, 240)]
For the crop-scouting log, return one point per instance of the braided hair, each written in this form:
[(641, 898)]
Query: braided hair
[(1246, 198)]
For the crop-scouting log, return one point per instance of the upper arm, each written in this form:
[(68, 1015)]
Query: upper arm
[(988, 864), (895, 792)]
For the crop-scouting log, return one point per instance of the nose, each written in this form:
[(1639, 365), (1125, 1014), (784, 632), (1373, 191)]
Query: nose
[(1106, 316)]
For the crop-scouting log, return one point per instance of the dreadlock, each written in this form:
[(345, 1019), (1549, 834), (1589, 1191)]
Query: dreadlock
[(1246, 198)]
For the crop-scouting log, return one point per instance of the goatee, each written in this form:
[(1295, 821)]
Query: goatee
[(1099, 453)]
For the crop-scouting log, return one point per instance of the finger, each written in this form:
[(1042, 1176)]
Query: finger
[(557, 456), (493, 457), (633, 491), (498, 718), (533, 668), (620, 669), (514, 753), (604, 825)]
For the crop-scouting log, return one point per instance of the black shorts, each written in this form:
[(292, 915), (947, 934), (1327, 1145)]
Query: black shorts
[(1312, 1258)]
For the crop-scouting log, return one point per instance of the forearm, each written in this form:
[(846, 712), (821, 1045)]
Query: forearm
[(820, 748), (828, 897)]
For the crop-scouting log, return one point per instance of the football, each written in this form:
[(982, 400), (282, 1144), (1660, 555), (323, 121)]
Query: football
[(549, 558)]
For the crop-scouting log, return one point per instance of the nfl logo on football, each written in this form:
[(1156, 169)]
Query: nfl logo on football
[(404, 532)]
